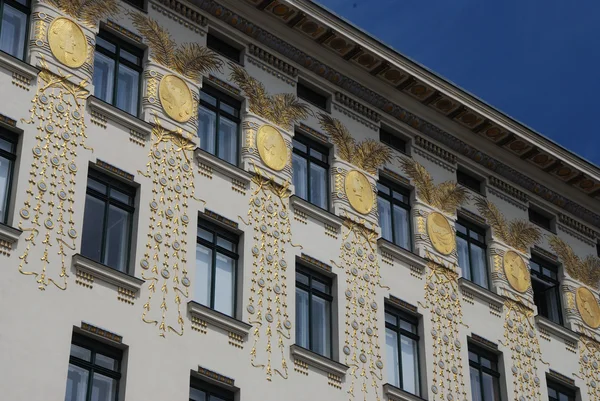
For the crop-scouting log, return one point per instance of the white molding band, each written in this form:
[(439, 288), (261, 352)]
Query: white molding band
[(219, 319)]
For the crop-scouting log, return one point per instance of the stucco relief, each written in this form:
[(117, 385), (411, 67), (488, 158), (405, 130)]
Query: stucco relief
[(164, 263)]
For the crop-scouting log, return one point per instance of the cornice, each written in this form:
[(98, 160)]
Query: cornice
[(318, 361), (402, 255), (229, 170), (435, 149), (107, 274), (508, 189), (9, 234), (120, 117), (20, 67), (219, 319), (556, 330), (272, 60), (380, 102), (577, 226), (315, 212), (481, 293), (395, 394), (357, 107)]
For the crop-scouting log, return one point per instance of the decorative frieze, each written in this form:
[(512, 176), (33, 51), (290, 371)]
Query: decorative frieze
[(399, 303), (435, 149), (508, 189), (315, 262), (224, 85), (581, 228), (221, 219), (272, 60), (354, 116), (123, 31), (115, 170), (215, 376), (185, 11), (357, 107), (319, 136), (101, 332), (8, 121)]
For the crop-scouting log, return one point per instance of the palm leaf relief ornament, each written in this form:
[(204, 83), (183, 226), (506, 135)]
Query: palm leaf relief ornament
[(445, 197), (190, 60), (90, 12)]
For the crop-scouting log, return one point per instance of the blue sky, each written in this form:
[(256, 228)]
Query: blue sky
[(536, 60)]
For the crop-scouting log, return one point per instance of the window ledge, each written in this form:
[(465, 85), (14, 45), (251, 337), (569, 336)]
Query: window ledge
[(481, 293), (120, 117), (223, 167), (394, 393), (556, 329), (19, 66), (9, 234), (402, 254), (107, 274), (318, 361), (315, 212), (219, 319)]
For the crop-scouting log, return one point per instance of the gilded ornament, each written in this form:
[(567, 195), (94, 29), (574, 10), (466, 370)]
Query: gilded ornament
[(440, 233), (67, 42), (176, 98), (359, 192), (271, 147), (588, 308), (516, 272)]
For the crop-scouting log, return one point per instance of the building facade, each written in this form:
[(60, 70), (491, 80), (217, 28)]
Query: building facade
[(253, 199)]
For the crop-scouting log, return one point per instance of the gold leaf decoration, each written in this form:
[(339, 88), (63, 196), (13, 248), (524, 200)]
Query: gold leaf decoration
[(518, 233), (188, 59), (368, 155), (586, 270), (282, 109), (446, 196), (88, 11)]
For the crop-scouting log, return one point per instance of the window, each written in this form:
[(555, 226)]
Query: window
[(136, 3), (107, 221), (468, 181), (485, 377), (7, 164), (201, 391), (313, 311), (14, 26), (402, 350), (470, 244), (219, 119), (311, 170), (311, 96), (223, 48), (394, 213), (216, 268), (545, 284), (540, 219), (392, 140), (94, 371), (558, 392), (117, 72)]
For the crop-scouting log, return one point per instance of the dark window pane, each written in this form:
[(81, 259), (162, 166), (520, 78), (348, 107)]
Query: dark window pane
[(540, 219), (410, 365), (229, 109), (392, 140), (383, 189), (226, 244), (128, 89), (14, 30), (207, 130), (228, 134), (321, 326), (311, 96), (390, 318), (106, 362), (318, 186), (205, 234), (77, 383), (385, 218), (393, 357), (224, 284), (120, 196), (402, 227), (299, 146), (462, 249), (319, 286), (302, 325), (302, 278), (208, 98), (468, 181), (93, 227), (104, 75), (103, 388), (479, 266), (197, 395), (81, 353), (116, 249), (300, 176), (203, 278), (105, 44), (6, 145), (129, 57), (476, 385), (5, 176), (222, 47)]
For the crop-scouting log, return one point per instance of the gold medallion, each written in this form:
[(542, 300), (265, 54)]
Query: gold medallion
[(176, 98), (440, 233), (359, 192), (271, 147), (67, 42), (588, 308), (516, 272)]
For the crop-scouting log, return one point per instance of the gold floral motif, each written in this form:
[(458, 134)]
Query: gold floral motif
[(188, 59), (176, 98), (589, 360), (164, 261), (359, 192), (585, 270), (269, 217), (516, 272), (440, 233), (517, 233), (446, 196), (271, 147), (588, 308), (67, 42), (47, 214), (88, 11), (361, 350), (282, 109), (368, 155)]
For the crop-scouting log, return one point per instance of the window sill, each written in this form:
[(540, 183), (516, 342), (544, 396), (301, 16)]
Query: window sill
[(316, 212), (18, 66), (9, 234), (402, 254), (318, 361), (556, 330), (120, 117), (107, 274), (483, 294), (394, 393), (225, 168), (219, 319)]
